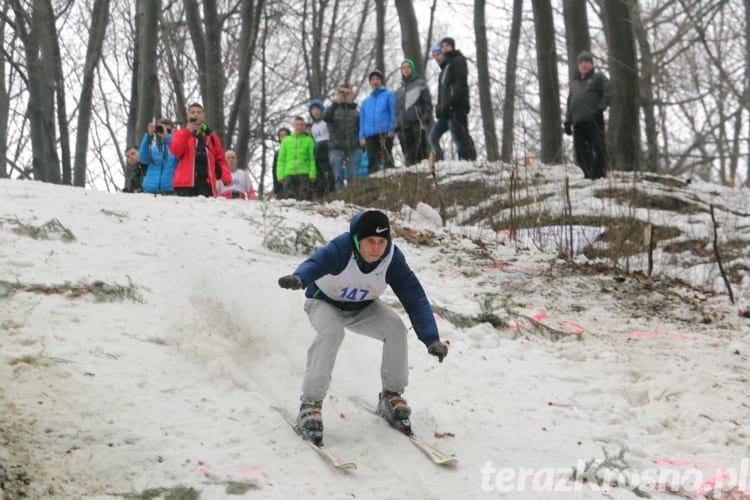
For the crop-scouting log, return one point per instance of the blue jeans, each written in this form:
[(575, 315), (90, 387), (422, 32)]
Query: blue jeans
[(345, 164), (442, 125)]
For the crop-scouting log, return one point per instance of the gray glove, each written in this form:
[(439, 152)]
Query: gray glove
[(291, 282), (438, 349)]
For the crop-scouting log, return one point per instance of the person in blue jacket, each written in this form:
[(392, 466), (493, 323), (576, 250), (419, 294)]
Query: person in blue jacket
[(154, 153), (377, 123), (343, 282)]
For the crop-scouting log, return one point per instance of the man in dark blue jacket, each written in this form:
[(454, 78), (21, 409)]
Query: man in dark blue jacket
[(343, 282)]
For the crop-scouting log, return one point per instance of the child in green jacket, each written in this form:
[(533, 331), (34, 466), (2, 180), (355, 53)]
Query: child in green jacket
[(295, 166)]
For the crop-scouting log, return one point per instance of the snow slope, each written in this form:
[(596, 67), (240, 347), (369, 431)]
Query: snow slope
[(171, 390)]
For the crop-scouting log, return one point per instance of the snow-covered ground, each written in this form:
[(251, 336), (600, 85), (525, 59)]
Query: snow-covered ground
[(167, 387)]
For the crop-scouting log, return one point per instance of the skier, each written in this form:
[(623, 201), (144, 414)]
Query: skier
[(344, 281)]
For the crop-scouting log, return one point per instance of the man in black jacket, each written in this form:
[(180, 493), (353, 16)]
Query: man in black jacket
[(344, 152), (453, 102), (589, 96)]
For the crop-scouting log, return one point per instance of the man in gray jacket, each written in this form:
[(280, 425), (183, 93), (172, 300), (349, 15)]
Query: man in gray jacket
[(589, 96)]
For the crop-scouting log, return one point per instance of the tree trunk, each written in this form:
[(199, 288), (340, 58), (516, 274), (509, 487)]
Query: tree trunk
[(214, 104), (99, 19), (51, 46), (4, 105), (483, 75), (193, 20), (251, 16), (623, 137), (649, 71), (410, 43), (511, 63), (41, 85), (746, 99), (577, 37), (148, 78), (549, 88), (380, 37), (132, 126)]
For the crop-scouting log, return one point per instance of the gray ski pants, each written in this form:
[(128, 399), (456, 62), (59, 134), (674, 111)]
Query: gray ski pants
[(376, 321)]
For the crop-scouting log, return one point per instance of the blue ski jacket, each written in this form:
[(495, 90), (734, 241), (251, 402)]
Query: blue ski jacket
[(333, 259)]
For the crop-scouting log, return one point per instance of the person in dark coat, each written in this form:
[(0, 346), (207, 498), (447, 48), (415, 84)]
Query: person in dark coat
[(413, 114), (344, 152), (453, 102), (589, 96)]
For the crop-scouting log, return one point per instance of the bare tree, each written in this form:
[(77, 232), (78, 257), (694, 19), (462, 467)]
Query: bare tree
[(34, 32), (380, 36), (511, 64), (649, 71), (239, 116), (577, 37), (99, 19), (623, 142), (746, 98), (410, 33), (483, 75), (549, 88), (148, 77), (4, 101)]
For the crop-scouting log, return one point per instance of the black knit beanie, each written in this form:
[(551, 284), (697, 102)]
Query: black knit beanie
[(373, 223)]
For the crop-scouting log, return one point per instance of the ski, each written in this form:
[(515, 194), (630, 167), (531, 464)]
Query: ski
[(320, 450), (434, 454)]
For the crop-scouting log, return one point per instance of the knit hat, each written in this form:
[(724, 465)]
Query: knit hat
[(585, 56), (450, 41), (376, 72), (373, 223), (437, 49)]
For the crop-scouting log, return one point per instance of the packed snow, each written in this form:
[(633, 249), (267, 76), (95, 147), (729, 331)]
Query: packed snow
[(144, 339)]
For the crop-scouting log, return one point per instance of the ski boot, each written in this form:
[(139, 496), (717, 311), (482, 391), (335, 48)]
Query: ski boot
[(395, 410), (310, 421)]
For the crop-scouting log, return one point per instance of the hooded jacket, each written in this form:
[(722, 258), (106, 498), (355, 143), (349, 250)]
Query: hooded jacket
[(378, 114), (319, 129), (453, 91), (334, 258), (161, 164), (413, 101)]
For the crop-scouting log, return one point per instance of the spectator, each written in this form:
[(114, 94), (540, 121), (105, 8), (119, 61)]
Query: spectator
[(589, 96), (345, 153), (413, 113), (453, 103), (377, 123), (321, 134), (280, 135), (296, 163), (200, 157), (134, 171), (344, 282), (154, 152), (242, 186)]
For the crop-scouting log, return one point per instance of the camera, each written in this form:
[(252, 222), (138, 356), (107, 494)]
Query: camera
[(159, 129)]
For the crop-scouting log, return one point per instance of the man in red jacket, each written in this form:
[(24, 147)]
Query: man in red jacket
[(200, 157)]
